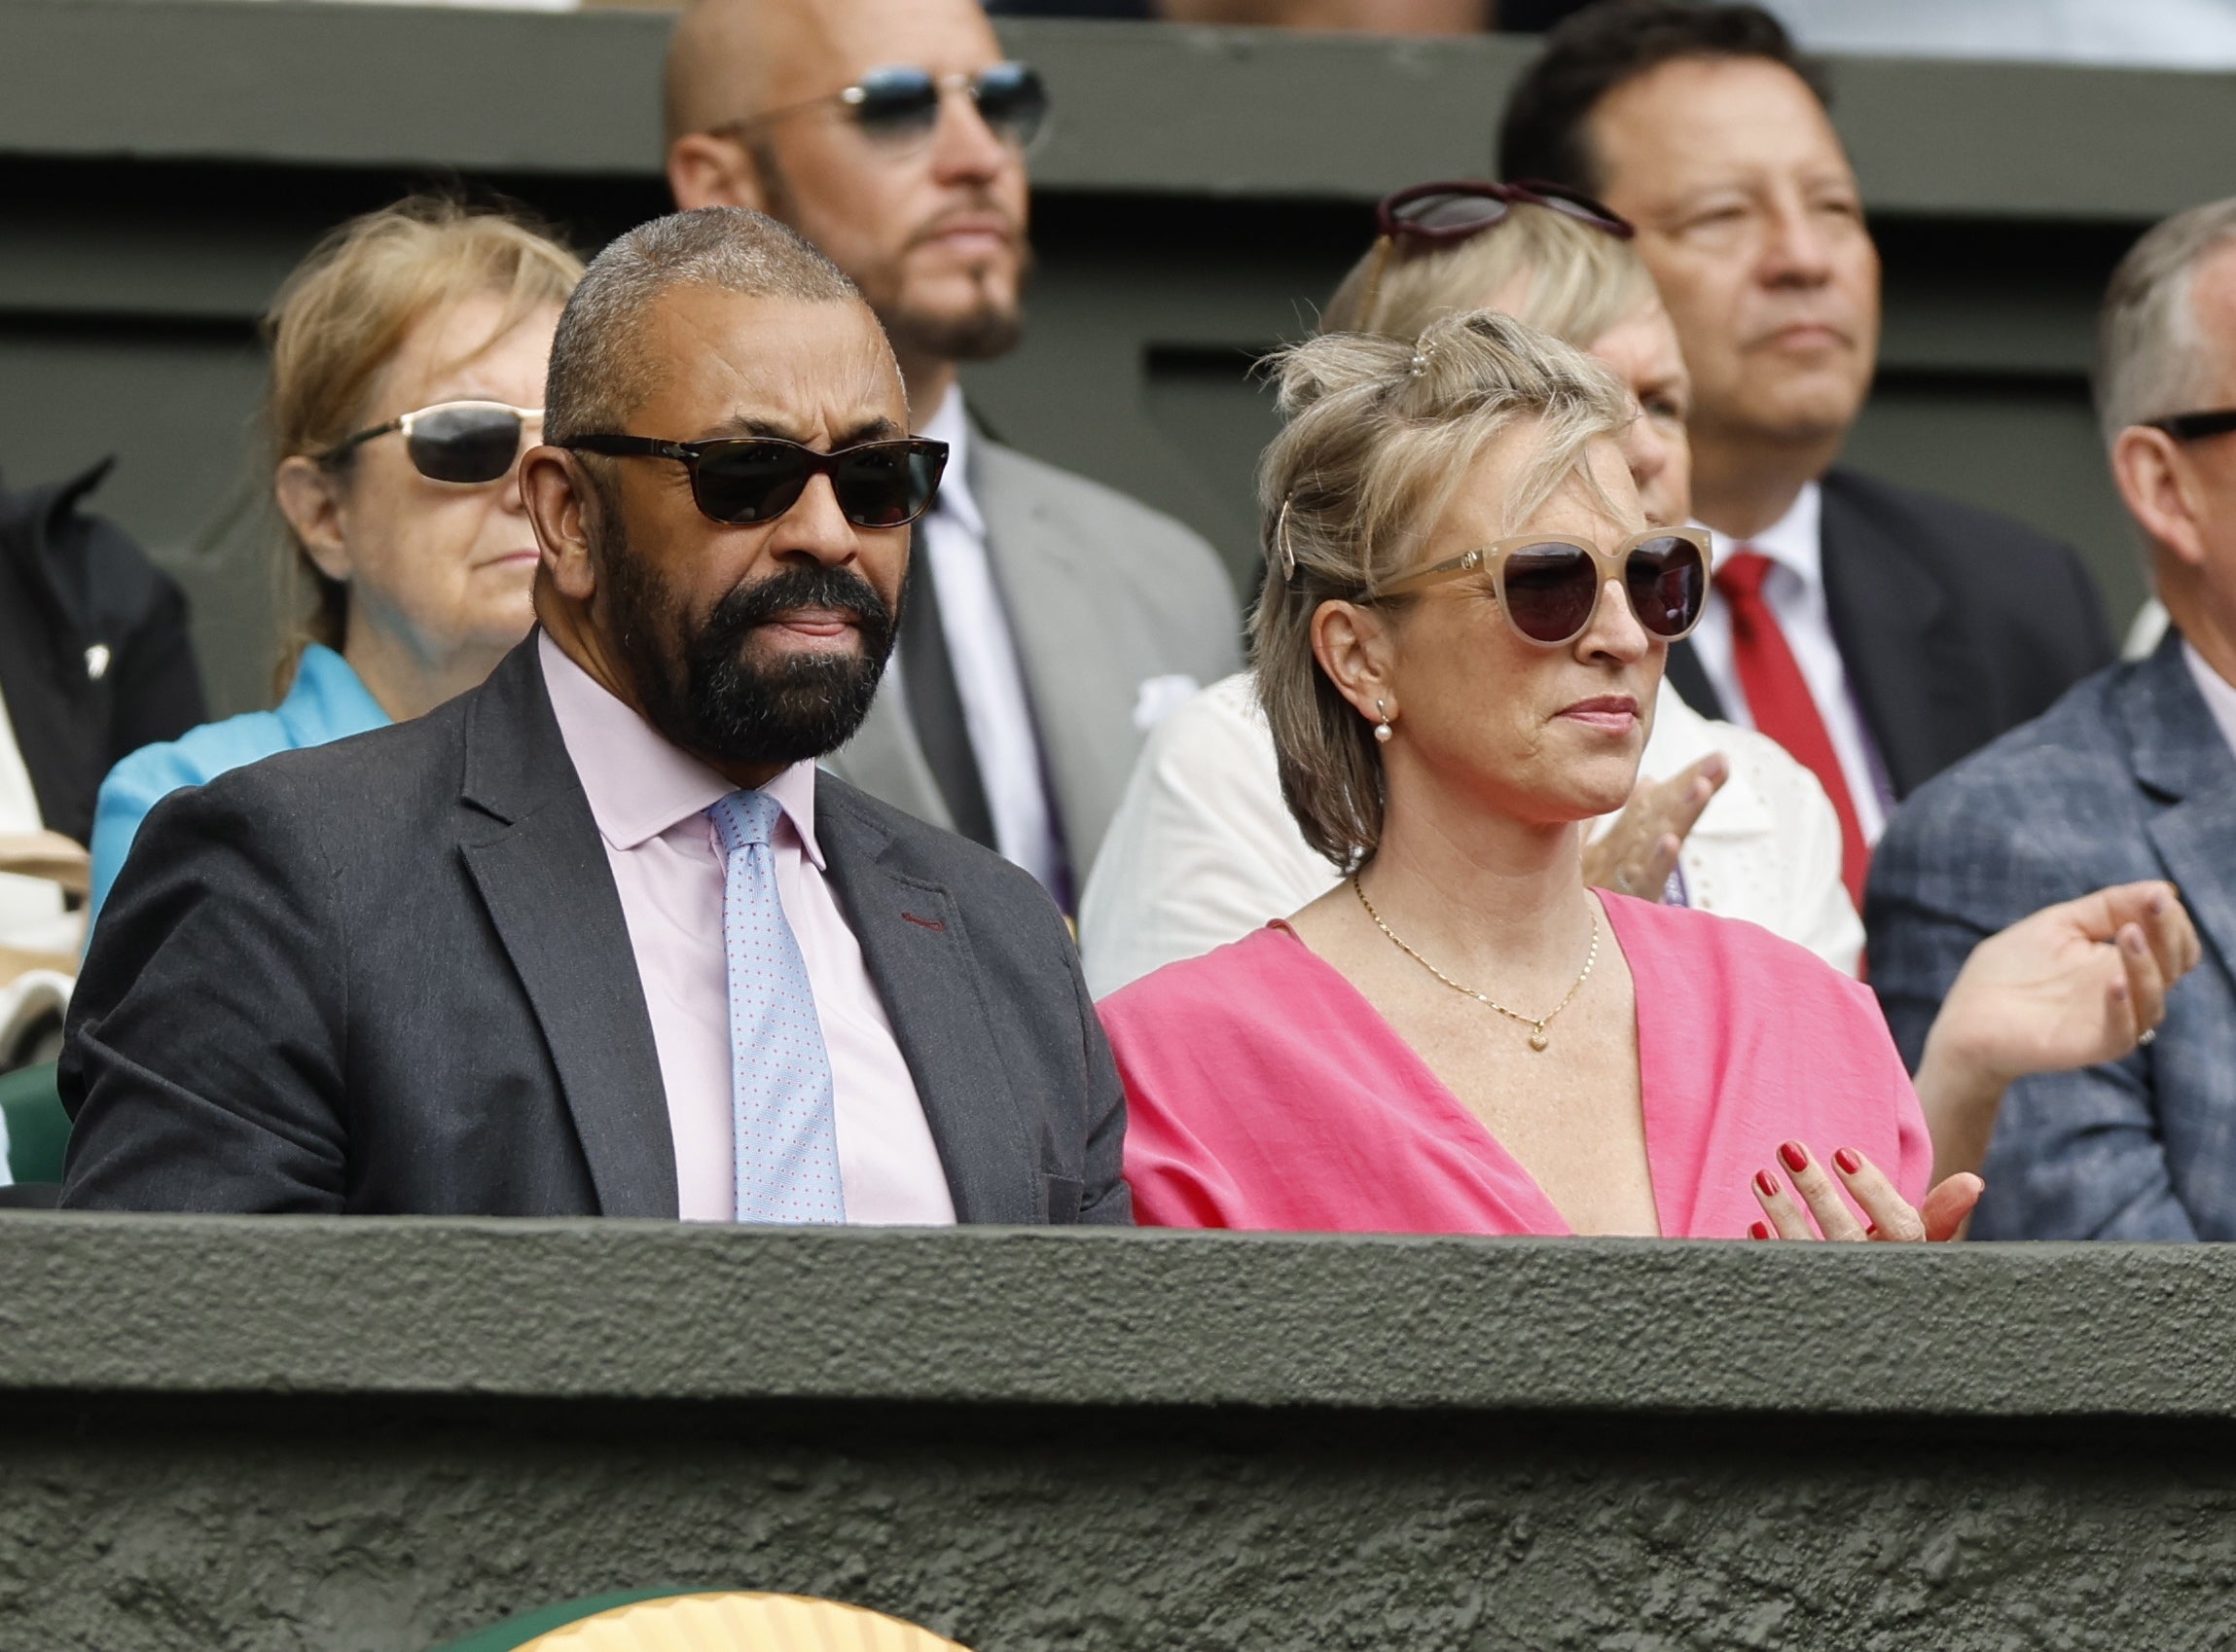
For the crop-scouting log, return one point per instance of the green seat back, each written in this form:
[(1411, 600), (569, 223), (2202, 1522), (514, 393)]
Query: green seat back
[(38, 1129), (520, 1630)]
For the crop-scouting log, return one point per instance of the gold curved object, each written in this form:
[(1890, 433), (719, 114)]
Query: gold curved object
[(740, 1621)]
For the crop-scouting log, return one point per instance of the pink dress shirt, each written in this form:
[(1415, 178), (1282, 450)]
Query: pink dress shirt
[(649, 800), (1263, 1091)]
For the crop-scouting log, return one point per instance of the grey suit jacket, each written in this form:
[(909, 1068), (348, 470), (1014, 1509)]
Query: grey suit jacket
[(1103, 594), (392, 974), (2127, 777)]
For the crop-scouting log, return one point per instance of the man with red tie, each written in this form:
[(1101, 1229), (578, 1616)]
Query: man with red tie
[(1878, 633)]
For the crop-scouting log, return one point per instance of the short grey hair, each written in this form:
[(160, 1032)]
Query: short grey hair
[(2151, 359), (598, 373), (1382, 432)]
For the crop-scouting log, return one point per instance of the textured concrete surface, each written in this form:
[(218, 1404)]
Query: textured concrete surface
[(649, 1311), (374, 1437)]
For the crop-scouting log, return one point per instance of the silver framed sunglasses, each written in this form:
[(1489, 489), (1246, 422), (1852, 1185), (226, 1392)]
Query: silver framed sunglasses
[(897, 106)]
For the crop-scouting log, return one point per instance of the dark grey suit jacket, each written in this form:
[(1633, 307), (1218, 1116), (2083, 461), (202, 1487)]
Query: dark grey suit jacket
[(2127, 777), (1955, 622), (392, 974)]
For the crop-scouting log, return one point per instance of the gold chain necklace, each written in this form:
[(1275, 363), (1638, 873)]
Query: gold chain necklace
[(1536, 1023)]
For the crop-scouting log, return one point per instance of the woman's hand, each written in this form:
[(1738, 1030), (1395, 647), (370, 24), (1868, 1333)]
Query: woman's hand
[(1636, 855), (1806, 1193), (2075, 985)]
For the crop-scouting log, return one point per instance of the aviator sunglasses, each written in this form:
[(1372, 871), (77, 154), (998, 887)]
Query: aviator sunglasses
[(897, 106), (1550, 588), (736, 481), (465, 443)]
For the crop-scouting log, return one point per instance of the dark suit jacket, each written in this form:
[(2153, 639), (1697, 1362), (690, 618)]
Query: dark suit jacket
[(1955, 622), (2127, 777), (95, 659), (392, 974)]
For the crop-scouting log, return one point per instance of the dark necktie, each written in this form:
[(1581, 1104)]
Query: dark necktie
[(1779, 695), (935, 704)]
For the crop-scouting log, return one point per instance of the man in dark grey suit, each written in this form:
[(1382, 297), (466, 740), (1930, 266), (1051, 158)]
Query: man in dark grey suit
[(1050, 620), (1877, 633), (596, 938), (2130, 776)]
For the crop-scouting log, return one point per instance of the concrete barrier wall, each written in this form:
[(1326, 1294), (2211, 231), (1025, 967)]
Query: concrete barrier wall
[(294, 1433), (161, 165)]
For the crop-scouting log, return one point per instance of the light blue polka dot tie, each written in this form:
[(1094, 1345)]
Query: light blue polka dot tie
[(781, 1114)]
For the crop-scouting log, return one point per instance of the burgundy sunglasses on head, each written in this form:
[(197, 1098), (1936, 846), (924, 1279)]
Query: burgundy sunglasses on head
[(1447, 213)]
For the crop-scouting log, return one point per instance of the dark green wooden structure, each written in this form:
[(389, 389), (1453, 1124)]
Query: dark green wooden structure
[(162, 164)]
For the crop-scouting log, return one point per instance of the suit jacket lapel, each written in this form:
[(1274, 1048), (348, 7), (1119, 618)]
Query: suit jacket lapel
[(1051, 591), (1689, 678), (1912, 684), (2180, 756), (542, 871), (918, 950), (887, 760)]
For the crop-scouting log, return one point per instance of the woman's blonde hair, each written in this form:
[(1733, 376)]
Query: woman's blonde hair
[(340, 316), (1381, 433), (1574, 281)]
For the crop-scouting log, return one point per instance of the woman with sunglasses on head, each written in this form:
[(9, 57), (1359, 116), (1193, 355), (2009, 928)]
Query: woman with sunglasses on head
[(408, 358), (1459, 649), (1202, 850)]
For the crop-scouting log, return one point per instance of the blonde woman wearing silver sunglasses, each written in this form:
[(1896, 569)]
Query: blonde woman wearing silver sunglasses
[(408, 357)]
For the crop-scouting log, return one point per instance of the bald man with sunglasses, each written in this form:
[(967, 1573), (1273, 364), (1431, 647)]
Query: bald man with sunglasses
[(596, 938), (1049, 621)]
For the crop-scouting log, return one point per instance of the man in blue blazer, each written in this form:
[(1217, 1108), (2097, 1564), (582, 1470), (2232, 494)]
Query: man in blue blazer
[(2131, 775)]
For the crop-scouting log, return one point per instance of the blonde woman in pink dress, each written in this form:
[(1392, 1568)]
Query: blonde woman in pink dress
[(1459, 649)]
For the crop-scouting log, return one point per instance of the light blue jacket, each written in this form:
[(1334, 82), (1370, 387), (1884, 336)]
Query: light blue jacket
[(329, 701)]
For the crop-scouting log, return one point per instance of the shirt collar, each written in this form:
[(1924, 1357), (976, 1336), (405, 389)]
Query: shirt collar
[(2218, 695), (952, 424), (328, 700), (1793, 542), (638, 784)]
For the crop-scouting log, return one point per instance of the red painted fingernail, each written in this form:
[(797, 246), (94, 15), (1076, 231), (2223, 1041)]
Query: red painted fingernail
[(1766, 1184), (1796, 1157), (1759, 1229), (1846, 1159), (1871, 1232)]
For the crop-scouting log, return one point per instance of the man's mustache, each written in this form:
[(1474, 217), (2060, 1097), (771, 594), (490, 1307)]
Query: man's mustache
[(838, 590)]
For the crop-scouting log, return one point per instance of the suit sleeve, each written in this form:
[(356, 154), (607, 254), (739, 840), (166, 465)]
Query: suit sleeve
[(202, 1065), (2076, 1155), (1105, 1201)]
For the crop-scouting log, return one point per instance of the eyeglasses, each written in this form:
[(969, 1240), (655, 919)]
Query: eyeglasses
[(463, 443), (897, 106), (2194, 426), (1446, 214), (758, 478), (1550, 588)]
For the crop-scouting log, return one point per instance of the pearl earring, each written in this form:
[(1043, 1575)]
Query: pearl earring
[(1382, 729)]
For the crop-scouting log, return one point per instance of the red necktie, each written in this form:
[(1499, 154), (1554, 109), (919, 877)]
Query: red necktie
[(1779, 695)]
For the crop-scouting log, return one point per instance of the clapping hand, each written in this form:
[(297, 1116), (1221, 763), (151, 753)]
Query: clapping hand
[(1636, 855), (1805, 1203), (2076, 984)]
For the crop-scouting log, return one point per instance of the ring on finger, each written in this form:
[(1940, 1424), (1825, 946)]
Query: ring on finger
[(2147, 1037)]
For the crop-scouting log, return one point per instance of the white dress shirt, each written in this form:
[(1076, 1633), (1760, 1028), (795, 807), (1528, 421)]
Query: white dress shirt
[(2219, 694), (1203, 850), (650, 801), (1794, 589), (988, 677)]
